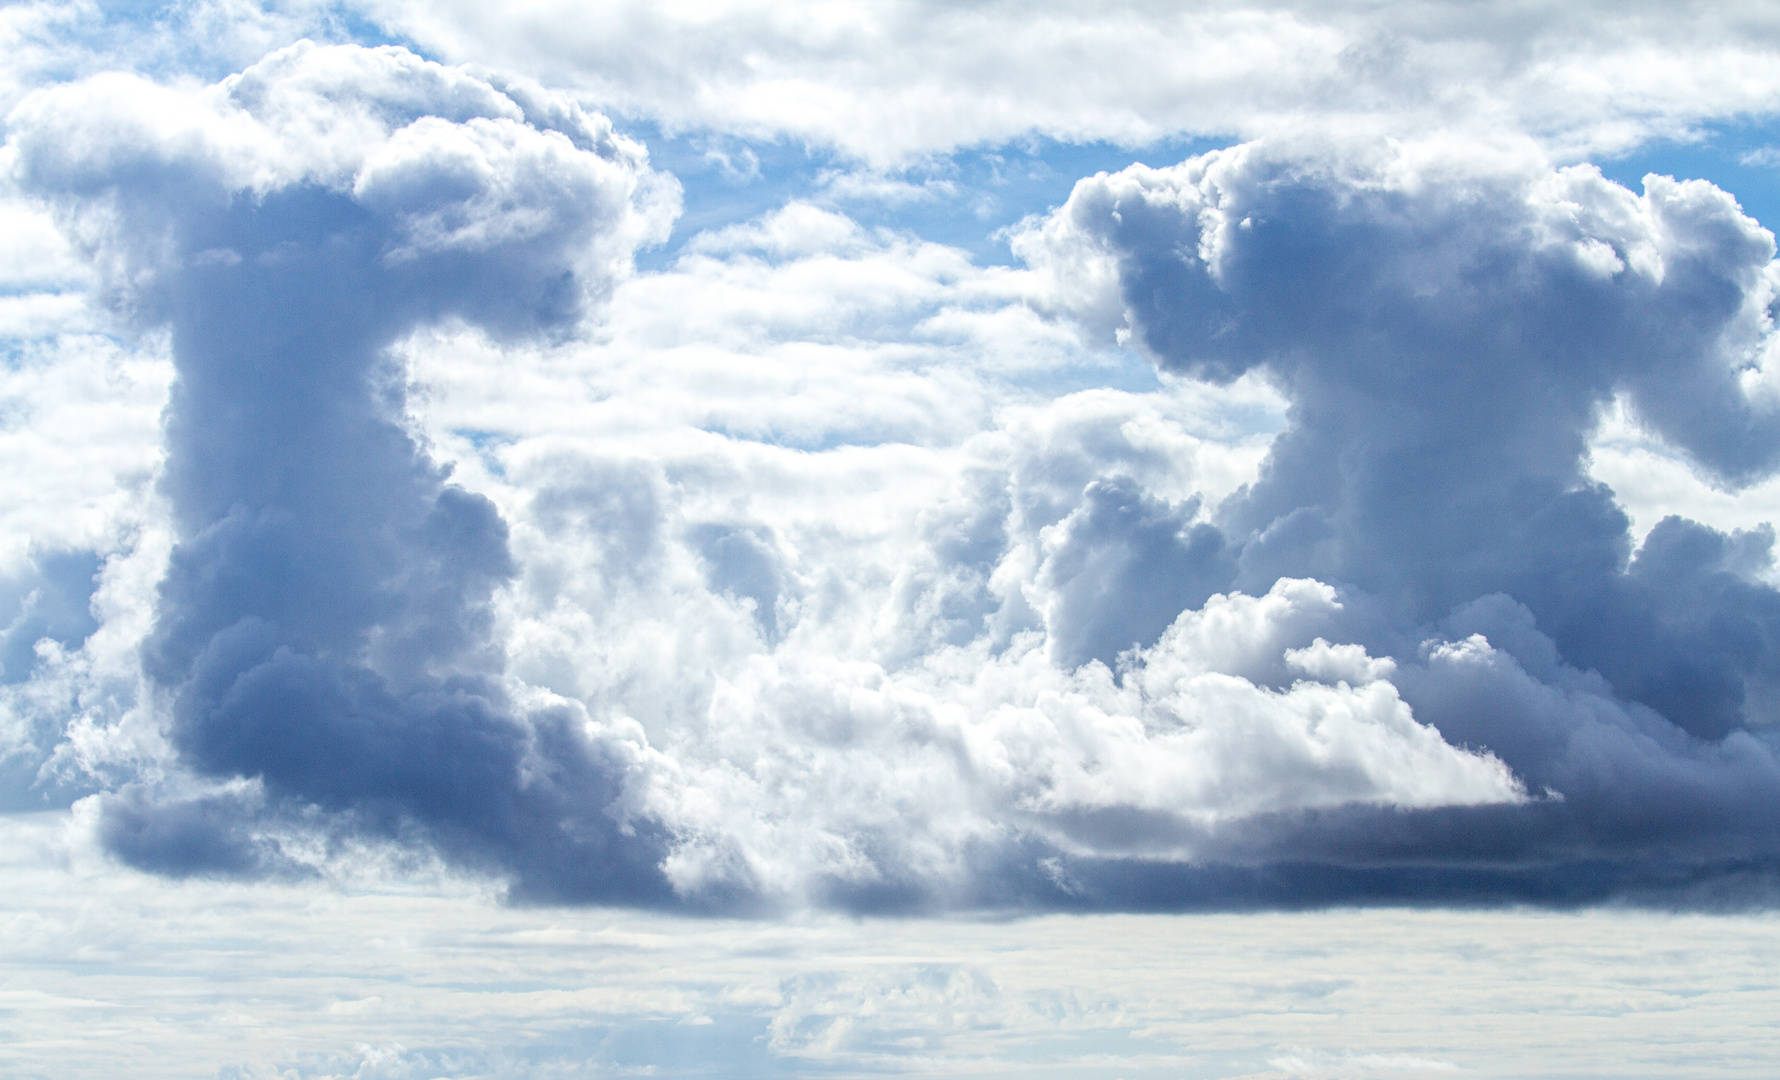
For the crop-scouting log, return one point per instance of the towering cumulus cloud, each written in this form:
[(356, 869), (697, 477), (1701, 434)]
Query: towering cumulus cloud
[(323, 627), (1447, 334)]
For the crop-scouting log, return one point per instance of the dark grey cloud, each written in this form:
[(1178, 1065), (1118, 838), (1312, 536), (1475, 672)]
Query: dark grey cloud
[(323, 627)]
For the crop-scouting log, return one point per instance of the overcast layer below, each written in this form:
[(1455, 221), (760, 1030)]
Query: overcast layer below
[(421, 976)]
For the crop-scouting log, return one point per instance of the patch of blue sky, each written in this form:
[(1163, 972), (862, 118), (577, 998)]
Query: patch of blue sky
[(1741, 157), (158, 39), (969, 199), (488, 446), (816, 442), (1114, 369)]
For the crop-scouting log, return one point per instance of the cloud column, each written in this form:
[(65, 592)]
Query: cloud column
[(323, 628)]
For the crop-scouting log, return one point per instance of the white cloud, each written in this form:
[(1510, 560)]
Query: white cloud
[(891, 79), (872, 731), (456, 161)]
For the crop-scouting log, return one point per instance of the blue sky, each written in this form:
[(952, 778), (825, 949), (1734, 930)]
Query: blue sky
[(1736, 156), (854, 516)]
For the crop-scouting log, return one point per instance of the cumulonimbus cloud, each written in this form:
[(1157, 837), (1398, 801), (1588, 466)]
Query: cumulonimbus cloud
[(1447, 339), (322, 627)]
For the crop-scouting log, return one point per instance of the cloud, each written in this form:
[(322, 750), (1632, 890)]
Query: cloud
[(322, 628), (895, 784), (79, 522), (1121, 566), (1447, 341), (914, 726), (338, 975), (894, 80), (821, 567), (907, 565)]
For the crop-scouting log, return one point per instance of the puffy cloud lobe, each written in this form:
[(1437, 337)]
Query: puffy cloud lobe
[(741, 563), (323, 626), (948, 782), (542, 201)]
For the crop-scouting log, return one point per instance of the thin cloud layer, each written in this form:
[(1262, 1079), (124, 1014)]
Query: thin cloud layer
[(887, 81)]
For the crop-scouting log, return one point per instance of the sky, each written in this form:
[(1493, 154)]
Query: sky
[(887, 538)]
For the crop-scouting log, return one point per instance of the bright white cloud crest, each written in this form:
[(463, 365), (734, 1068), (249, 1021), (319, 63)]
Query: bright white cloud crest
[(456, 162)]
